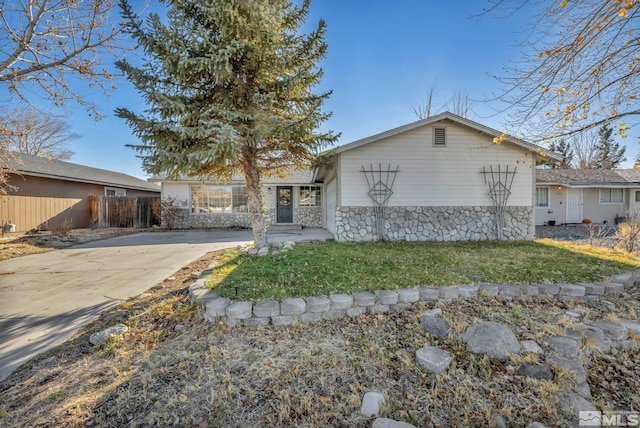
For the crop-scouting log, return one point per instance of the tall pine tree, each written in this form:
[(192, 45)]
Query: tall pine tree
[(608, 153), (562, 148), (228, 84)]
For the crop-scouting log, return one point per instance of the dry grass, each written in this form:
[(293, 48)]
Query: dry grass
[(17, 245), (314, 375)]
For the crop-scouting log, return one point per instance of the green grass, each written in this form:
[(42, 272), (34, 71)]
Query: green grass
[(330, 267)]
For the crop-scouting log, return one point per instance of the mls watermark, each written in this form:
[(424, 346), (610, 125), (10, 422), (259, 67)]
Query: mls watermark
[(612, 418)]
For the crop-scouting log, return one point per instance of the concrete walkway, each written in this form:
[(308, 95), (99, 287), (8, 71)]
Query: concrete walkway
[(45, 298)]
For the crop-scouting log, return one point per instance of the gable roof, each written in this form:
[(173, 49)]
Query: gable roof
[(457, 119), (589, 177), (35, 166)]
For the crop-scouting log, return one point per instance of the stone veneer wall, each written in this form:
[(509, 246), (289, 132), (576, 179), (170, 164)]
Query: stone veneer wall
[(308, 216), (304, 216), (433, 223)]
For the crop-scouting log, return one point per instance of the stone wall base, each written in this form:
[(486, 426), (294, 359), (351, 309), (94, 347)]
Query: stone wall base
[(433, 224), (185, 219)]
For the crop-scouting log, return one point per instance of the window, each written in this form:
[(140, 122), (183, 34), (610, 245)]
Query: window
[(109, 191), (637, 195), (542, 197), (310, 196), (218, 199), (611, 196), (440, 137)]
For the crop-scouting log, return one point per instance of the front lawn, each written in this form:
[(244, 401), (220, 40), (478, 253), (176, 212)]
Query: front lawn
[(323, 268)]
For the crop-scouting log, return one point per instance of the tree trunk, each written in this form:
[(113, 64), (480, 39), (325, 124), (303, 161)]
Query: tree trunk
[(254, 198)]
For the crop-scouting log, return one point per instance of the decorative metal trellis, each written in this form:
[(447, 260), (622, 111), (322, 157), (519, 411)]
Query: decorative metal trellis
[(499, 182), (380, 182)]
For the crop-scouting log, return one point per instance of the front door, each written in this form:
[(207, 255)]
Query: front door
[(574, 205), (285, 205)]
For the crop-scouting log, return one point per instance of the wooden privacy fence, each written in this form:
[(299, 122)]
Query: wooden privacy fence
[(122, 211)]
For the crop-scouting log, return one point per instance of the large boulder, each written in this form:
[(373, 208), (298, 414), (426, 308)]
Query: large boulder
[(492, 339)]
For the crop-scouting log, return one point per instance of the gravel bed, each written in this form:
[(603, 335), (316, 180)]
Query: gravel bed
[(592, 234)]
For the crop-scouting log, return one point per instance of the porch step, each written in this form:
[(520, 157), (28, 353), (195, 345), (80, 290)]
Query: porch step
[(284, 227)]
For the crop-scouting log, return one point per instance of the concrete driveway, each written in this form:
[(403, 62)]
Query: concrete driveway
[(46, 298)]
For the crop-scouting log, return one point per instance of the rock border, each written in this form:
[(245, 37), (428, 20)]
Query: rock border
[(297, 310)]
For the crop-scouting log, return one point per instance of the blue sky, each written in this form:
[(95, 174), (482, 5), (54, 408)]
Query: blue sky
[(383, 57)]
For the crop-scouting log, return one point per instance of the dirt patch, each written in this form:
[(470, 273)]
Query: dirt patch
[(17, 245), (203, 374)]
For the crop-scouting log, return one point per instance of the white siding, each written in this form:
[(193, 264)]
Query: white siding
[(330, 205), (436, 176)]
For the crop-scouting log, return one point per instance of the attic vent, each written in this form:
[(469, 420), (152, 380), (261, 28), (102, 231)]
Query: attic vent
[(440, 137)]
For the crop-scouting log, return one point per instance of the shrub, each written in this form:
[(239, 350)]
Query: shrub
[(62, 230)]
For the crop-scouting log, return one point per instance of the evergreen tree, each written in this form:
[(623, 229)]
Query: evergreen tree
[(608, 153), (229, 88), (563, 148)]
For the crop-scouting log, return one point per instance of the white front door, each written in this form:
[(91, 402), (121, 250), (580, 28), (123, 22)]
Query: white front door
[(574, 205)]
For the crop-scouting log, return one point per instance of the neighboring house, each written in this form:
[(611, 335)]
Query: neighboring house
[(428, 180), (566, 196), (50, 192), (294, 200)]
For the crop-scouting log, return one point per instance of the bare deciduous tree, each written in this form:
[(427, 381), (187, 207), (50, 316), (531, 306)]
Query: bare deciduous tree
[(425, 109), (580, 68), (45, 43), (461, 104), (31, 132), (584, 148)]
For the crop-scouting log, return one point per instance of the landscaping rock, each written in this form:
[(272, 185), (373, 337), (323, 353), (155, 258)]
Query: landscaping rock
[(356, 311), (491, 338), (593, 289), (267, 308), (371, 403), (400, 306), (620, 278), (499, 421), (449, 293), (178, 327), (102, 336), (309, 317), (562, 346), (335, 314), (530, 290), (433, 312), (631, 325), (341, 301), (573, 403), (318, 304), (257, 322), (282, 320), (390, 423), (574, 366), (432, 359), (387, 297), (215, 309), (549, 289), (364, 298), (611, 331), (378, 309), (612, 288), (489, 290), (264, 251), (535, 371), (467, 291), (429, 294), (536, 425), (531, 347), (573, 290), (231, 322), (293, 306), (239, 310), (436, 326), (408, 295), (573, 315)]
